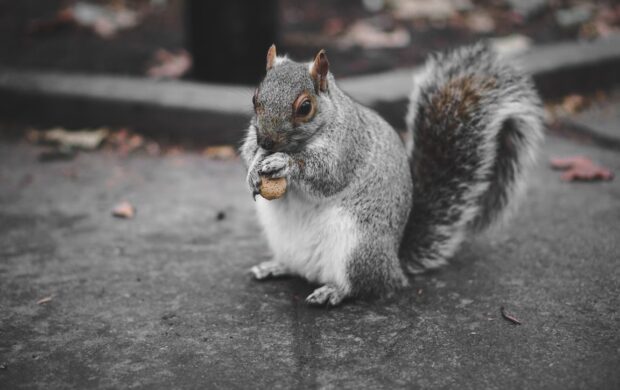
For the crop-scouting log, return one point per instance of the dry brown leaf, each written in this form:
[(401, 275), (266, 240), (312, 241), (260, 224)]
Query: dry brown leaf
[(124, 142), (574, 103), (221, 152), (124, 210), (87, 139)]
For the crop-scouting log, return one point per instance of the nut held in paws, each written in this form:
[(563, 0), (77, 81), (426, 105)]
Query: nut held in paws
[(272, 188)]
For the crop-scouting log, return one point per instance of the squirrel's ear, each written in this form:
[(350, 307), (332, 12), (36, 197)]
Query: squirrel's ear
[(271, 56), (319, 70)]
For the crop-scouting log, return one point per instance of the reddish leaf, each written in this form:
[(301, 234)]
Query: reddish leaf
[(170, 65), (124, 210), (580, 168)]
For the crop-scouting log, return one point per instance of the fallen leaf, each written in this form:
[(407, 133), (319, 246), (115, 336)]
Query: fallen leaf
[(580, 168), (434, 10), (511, 44), (45, 300), (605, 23), (222, 152), (124, 142), (170, 65), (105, 21), (367, 36), (574, 103), (480, 22), (135, 141), (87, 139), (130, 144), (509, 317), (124, 210), (120, 136)]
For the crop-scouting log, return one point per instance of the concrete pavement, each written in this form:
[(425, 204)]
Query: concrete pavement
[(164, 301)]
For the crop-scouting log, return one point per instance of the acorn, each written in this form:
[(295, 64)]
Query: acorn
[(272, 188)]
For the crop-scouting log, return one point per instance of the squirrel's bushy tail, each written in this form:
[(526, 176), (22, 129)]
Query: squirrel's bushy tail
[(474, 124)]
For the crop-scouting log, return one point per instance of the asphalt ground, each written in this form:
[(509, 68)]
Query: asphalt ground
[(164, 300)]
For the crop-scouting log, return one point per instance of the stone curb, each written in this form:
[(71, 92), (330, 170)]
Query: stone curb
[(219, 113), (212, 113)]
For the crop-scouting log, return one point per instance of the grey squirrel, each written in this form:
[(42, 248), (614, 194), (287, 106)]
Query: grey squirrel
[(363, 208)]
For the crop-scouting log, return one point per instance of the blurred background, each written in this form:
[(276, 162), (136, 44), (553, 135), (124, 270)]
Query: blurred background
[(226, 40), (184, 69)]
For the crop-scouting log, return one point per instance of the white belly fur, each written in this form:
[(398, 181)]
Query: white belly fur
[(313, 239)]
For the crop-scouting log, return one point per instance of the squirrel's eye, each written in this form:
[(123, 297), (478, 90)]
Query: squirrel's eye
[(304, 108), (254, 98)]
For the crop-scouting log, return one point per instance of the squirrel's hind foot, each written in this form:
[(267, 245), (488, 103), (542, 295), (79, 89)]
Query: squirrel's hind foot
[(269, 269), (327, 295)]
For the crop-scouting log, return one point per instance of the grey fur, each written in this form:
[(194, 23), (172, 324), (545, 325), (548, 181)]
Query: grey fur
[(462, 165), (474, 124)]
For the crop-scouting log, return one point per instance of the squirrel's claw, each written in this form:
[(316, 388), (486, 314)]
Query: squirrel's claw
[(326, 295), (254, 182), (275, 166)]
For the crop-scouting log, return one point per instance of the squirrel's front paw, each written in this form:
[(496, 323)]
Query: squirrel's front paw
[(275, 166), (269, 269)]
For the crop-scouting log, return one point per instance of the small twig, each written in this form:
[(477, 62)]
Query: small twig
[(509, 317), (45, 300)]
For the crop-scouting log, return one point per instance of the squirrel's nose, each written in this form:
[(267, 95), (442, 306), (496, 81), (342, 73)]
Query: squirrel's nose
[(266, 143)]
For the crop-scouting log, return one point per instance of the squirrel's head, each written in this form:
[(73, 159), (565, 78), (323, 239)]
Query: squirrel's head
[(291, 104)]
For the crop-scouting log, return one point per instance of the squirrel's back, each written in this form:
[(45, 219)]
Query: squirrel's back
[(473, 127)]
